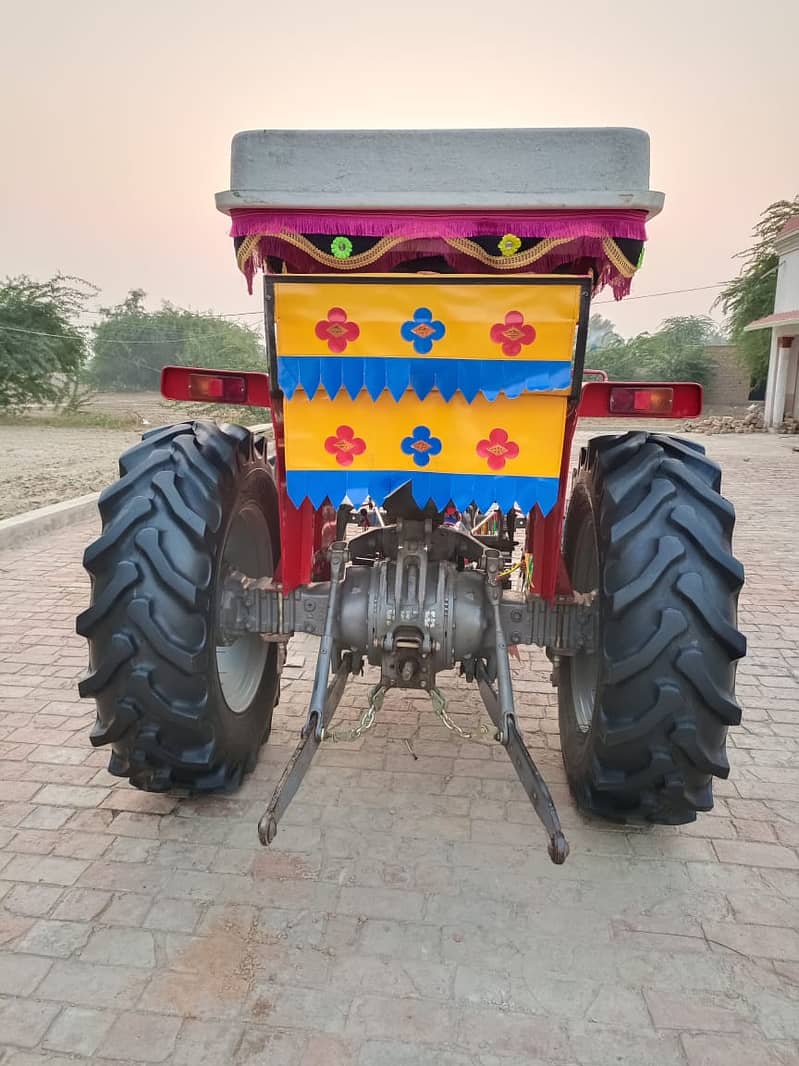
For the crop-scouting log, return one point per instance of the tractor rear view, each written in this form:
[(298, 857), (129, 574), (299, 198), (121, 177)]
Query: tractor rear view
[(425, 338)]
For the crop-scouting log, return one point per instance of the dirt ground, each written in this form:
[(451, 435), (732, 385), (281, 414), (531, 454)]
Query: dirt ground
[(42, 463), (39, 466)]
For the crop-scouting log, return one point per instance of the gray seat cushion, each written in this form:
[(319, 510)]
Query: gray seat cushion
[(510, 169)]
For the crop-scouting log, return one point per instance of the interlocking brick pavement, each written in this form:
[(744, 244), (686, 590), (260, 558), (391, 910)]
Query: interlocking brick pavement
[(407, 914)]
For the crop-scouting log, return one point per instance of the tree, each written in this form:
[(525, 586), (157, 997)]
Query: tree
[(42, 350), (601, 333), (751, 295), (131, 344), (675, 353)]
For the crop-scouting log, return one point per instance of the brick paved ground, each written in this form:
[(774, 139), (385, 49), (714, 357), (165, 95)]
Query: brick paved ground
[(407, 914)]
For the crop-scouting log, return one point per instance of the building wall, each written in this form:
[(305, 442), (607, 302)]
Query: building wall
[(728, 384), (787, 294), (787, 299), (792, 385)]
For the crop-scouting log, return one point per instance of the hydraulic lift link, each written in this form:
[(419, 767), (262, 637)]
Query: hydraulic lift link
[(297, 766), (528, 773), (502, 713), (324, 700)]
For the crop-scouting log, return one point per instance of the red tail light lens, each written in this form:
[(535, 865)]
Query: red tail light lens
[(215, 386), (631, 401), (210, 388)]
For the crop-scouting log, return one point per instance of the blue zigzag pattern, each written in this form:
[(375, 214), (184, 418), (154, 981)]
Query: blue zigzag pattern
[(468, 376), (463, 489)]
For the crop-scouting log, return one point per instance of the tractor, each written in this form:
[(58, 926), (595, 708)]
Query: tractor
[(426, 301)]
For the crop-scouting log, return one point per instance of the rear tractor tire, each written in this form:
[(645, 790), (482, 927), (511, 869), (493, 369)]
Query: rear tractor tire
[(178, 704), (643, 722)]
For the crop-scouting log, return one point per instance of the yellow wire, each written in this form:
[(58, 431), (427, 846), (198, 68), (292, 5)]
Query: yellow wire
[(510, 570)]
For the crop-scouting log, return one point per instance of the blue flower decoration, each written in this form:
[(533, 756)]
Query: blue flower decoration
[(421, 445), (423, 330)]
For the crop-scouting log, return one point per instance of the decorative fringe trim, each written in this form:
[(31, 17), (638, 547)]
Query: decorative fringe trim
[(518, 261), (353, 374), (303, 257), (463, 489), (618, 259), (250, 222)]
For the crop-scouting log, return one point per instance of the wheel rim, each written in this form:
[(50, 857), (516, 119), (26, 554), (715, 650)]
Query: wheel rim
[(584, 666), (240, 665)]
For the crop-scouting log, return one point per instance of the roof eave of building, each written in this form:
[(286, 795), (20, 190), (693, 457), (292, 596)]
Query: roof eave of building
[(783, 321)]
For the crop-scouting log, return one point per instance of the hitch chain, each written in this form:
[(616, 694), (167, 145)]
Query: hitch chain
[(440, 709), (376, 697), (366, 721)]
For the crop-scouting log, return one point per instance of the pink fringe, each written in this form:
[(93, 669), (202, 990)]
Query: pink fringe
[(410, 225)]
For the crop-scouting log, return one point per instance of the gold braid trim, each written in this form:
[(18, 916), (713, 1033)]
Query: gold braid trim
[(618, 258), (249, 246), (246, 249), (506, 262), (353, 262)]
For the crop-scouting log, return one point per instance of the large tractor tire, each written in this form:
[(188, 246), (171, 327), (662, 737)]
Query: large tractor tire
[(643, 722), (178, 704)]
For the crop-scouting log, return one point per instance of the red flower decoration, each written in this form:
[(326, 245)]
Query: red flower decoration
[(497, 449), (512, 333), (337, 330), (345, 445)]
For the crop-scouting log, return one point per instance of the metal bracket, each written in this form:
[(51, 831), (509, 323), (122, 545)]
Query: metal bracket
[(567, 625), (338, 560)]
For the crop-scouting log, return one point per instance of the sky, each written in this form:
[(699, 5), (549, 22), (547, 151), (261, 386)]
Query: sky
[(116, 118)]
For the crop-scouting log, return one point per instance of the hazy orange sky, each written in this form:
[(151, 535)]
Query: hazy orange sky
[(116, 118)]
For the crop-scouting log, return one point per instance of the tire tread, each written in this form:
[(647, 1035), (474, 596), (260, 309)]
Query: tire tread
[(668, 598), (147, 625)]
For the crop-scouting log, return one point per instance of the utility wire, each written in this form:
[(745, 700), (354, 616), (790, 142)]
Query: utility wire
[(38, 332), (667, 292), (220, 314), (62, 336), (169, 338), (642, 296)]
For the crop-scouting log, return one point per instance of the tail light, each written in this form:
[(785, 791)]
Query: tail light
[(636, 399), (646, 401), (215, 386)]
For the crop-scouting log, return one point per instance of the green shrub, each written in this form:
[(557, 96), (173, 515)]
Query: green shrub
[(132, 345)]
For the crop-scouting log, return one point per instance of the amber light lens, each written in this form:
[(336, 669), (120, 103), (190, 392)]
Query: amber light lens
[(629, 401), (221, 389)]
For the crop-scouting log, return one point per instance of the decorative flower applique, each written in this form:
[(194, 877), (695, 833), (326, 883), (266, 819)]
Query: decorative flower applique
[(341, 247), (509, 245), (423, 330), (497, 450), (421, 445), (345, 445), (512, 333), (337, 330)]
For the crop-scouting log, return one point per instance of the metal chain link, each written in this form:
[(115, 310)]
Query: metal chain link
[(376, 698), (366, 721), (440, 709)]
